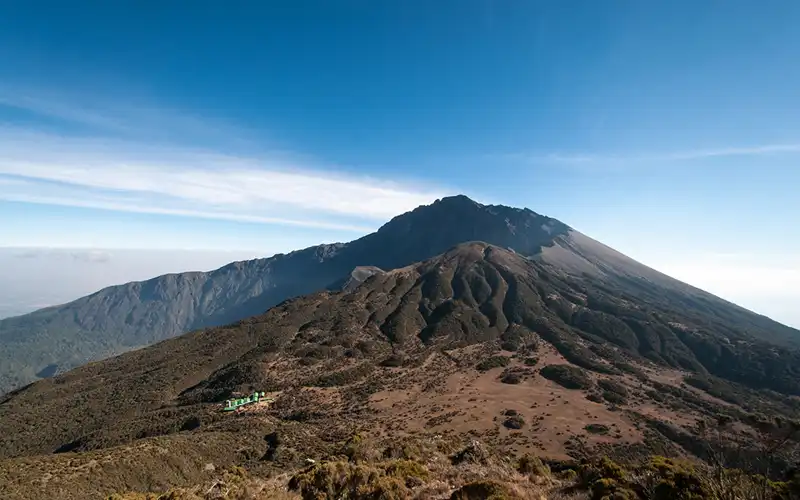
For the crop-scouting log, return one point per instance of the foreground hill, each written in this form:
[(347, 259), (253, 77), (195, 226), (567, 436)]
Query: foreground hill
[(125, 317), (477, 343)]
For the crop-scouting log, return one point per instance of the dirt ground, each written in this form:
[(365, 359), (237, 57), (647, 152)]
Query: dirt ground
[(474, 403)]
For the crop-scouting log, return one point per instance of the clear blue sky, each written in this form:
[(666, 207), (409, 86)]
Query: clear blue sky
[(669, 130)]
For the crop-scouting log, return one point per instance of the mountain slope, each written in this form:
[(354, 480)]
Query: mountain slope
[(120, 318), (129, 316), (443, 346)]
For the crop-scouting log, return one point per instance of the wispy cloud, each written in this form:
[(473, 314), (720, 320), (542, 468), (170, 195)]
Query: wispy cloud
[(601, 159), (125, 116), (128, 177), (117, 165)]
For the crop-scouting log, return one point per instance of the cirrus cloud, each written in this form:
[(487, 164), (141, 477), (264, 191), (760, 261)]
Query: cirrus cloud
[(126, 176)]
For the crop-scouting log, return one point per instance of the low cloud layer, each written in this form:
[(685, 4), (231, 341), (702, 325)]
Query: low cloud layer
[(34, 278), (766, 284)]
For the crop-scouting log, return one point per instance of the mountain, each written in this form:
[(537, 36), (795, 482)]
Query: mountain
[(577, 349), (125, 317)]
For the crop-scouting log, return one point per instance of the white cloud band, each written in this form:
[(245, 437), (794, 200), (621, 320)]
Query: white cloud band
[(118, 175)]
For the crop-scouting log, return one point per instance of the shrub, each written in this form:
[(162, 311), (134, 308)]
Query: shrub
[(605, 468), (274, 442), (716, 387), (529, 464), (597, 429), (509, 377), (473, 453), (677, 479), (531, 361), (343, 377), (492, 362), (344, 480), (407, 451), (568, 376), (514, 422), (614, 398), (510, 345), (405, 469), (613, 386), (356, 449), (611, 489), (393, 361), (630, 369), (483, 490), (568, 475), (594, 397)]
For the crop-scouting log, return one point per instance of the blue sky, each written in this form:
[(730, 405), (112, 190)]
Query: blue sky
[(668, 130)]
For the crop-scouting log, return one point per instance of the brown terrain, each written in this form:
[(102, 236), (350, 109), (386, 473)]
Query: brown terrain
[(570, 354)]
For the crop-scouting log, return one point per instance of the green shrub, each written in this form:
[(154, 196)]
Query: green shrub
[(529, 464), (514, 422), (510, 345), (405, 469), (493, 362), (611, 489), (406, 451), (510, 377), (393, 361), (594, 397), (613, 386), (473, 453), (630, 369), (357, 449), (568, 475), (597, 429), (615, 398), (678, 479), (568, 376), (343, 377), (333, 480)]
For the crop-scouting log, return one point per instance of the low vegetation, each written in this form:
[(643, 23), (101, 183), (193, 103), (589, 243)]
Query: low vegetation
[(597, 429), (514, 422), (480, 475), (493, 362), (568, 376)]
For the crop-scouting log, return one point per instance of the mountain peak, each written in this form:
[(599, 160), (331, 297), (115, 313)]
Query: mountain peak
[(455, 219), (458, 200)]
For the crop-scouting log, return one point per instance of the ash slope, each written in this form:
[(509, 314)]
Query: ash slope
[(474, 296)]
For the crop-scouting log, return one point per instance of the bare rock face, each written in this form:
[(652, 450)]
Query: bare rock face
[(359, 276)]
